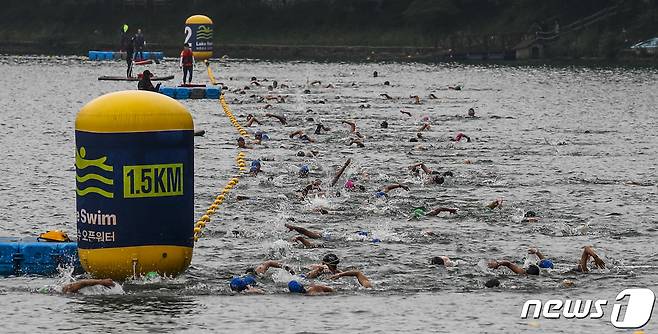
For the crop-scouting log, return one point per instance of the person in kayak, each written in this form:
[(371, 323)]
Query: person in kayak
[(187, 62)]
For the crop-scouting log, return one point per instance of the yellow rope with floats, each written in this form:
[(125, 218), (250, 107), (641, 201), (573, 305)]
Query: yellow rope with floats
[(211, 76), (242, 169)]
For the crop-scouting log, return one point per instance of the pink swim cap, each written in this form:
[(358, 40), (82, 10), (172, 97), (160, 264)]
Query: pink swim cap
[(426, 118), (349, 184), (459, 136)]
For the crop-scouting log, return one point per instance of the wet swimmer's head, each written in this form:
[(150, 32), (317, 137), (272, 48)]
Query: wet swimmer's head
[(471, 112), (304, 170), (387, 83), (545, 264), (384, 125), (492, 283), (147, 74), (301, 154), (532, 270), (296, 287), (241, 142), (530, 214), (437, 261), (375, 74), (331, 260), (437, 179), (241, 283), (238, 284)]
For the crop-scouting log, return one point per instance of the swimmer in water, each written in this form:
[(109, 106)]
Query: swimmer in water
[(308, 154), (83, 283), (436, 177), (319, 128), (386, 96), (438, 210), (255, 168), (416, 99), (471, 112), (245, 284), (533, 269), (457, 87), (358, 143), (459, 137), (309, 234), (384, 125), (313, 289), (497, 203), (303, 171), (281, 119), (262, 268), (351, 124), (426, 126), (329, 265), (442, 261), (433, 97), (312, 187), (406, 113), (259, 136), (242, 143), (384, 191), (302, 136), (251, 120)]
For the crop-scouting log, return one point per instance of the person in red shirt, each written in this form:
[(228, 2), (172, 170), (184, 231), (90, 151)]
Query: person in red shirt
[(187, 62)]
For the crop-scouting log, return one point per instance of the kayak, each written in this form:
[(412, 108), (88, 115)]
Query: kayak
[(118, 78)]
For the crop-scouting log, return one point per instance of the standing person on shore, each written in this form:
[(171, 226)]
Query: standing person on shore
[(139, 45), (130, 49), (187, 62)]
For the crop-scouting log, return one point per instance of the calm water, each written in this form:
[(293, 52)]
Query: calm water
[(576, 145)]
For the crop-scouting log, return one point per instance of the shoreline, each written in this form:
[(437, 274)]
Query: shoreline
[(334, 53)]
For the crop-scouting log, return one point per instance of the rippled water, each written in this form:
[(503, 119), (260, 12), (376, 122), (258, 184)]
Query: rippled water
[(576, 145)]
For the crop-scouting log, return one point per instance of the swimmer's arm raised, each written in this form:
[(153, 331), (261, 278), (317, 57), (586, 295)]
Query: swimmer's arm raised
[(587, 252), (303, 241), (263, 267), (363, 280), (76, 286), (513, 267), (301, 230), (316, 271), (442, 209), (536, 252), (318, 289), (394, 186)]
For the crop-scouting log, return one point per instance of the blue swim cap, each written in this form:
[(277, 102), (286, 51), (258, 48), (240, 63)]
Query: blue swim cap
[(265, 137), (380, 194), (546, 263), (249, 280), (255, 163), (363, 233), (304, 169), (296, 287), (238, 284)]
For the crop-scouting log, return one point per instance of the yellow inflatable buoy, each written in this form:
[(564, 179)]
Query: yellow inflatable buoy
[(135, 185)]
